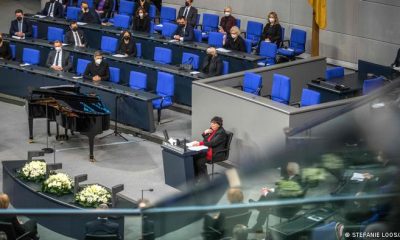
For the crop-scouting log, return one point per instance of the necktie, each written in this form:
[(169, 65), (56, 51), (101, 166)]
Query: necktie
[(185, 12), (76, 39), (57, 58), (51, 8), (20, 26)]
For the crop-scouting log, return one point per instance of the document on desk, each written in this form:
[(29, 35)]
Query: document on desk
[(24, 64), (197, 148), (194, 72), (16, 37), (39, 16), (223, 50), (81, 23), (357, 177), (65, 44), (173, 40), (159, 25), (77, 77), (119, 55)]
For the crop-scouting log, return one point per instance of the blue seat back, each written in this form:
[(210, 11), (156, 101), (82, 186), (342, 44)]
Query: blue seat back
[(215, 39), (225, 69), (54, 33), (238, 22), (254, 31), (108, 44), (169, 29), (122, 21), (372, 84), (35, 31), (89, 2), (114, 74), (210, 22), (325, 231), (197, 35), (151, 28), (81, 65), (31, 56), (310, 97), (190, 58), (72, 13), (198, 18), (282, 33), (168, 14), (335, 72), (280, 88), (138, 80), (248, 45), (162, 55), (126, 7), (13, 49), (165, 84), (152, 11), (252, 83), (298, 40), (269, 51), (138, 50)]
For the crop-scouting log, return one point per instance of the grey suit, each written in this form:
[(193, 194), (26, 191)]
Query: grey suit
[(65, 62)]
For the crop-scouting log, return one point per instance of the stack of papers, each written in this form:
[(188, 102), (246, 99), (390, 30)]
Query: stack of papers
[(119, 55), (357, 177), (65, 44), (223, 50), (173, 40), (195, 148), (16, 37), (39, 16), (194, 72), (81, 23), (24, 64), (77, 77)]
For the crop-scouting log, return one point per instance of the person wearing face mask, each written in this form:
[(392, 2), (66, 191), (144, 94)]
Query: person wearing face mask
[(5, 50), (141, 22), (184, 32), (58, 59), (142, 4), (272, 31), (75, 36), (189, 13), (235, 41), (212, 64), (97, 70), (20, 27), (53, 8), (127, 46), (227, 22), (88, 15), (104, 8)]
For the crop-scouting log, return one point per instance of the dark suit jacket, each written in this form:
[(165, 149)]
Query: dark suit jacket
[(141, 25), (26, 27), (66, 60), (274, 33), (102, 70), (5, 51), (102, 226), (215, 66), (191, 16), (188, 34), (238, 45), (69, 37), (58, 10), (129, 48), (107, 8), (146, 6), (18, 228), (93, 17), (217, 143), (227, 23)]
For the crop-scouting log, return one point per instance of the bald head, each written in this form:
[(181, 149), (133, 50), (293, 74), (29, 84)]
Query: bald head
[(4, 201)]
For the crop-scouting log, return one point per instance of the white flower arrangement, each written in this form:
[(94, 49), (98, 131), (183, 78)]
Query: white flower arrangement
[(59, 184), (93, 196), (34, 171)]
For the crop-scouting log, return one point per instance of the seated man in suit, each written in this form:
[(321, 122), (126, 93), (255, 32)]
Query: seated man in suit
[(189, 13), (102, 225), (234, 41), (212, 64), (185, 32), (59, 59), (53, 8), (19, 227), (75, 36), (88, 15), (97, 70), (20, 27)]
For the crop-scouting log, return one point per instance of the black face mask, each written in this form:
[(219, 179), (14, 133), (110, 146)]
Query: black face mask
[(126, 37), (182, 25), (187, 4), (85, 9), (1, 40), (74, 29), (52, 1), (19, 18)]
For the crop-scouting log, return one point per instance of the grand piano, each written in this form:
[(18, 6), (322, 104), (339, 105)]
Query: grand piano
[(74, 111)]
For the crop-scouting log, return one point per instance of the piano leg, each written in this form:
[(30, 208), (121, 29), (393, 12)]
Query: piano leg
[(91, 146), (30, 124)]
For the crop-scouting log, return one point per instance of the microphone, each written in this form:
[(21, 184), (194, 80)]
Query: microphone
[(146, 190)]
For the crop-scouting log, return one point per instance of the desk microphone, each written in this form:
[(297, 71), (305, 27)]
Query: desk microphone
[(146, 190)]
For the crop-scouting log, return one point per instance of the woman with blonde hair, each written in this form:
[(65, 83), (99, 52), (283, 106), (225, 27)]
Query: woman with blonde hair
[(272, 31)]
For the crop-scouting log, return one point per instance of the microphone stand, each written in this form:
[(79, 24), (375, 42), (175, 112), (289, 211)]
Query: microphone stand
[(47, 149), (116, 133)]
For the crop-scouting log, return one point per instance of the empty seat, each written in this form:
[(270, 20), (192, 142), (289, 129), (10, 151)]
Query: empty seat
[(126, 7), (248, 45), (192, 59), (268, 50), (152, 11), (169, 29), (238, 22), (114, 74), (165, 89), (225, 67), (210, 23), (72, 13), (215, 39), (162, 55), (197, 35), (109, 44), (35, 31), (81, 66), (122, 21), (252, 83), (138, 50), (372, 84), (13, 49), (309, 98), (254, 31), (54, 34), (167, 15), (335, 72), (297, 44), (280, 89), (31, 56), (138, 80)]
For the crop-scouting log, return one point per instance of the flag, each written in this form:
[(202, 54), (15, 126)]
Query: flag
[(319, 7)]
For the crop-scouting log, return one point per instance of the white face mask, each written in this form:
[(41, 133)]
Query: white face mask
[(141, 15), (58, 49), (234, 36), (97, 61), (227, 14), (271, 20)]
